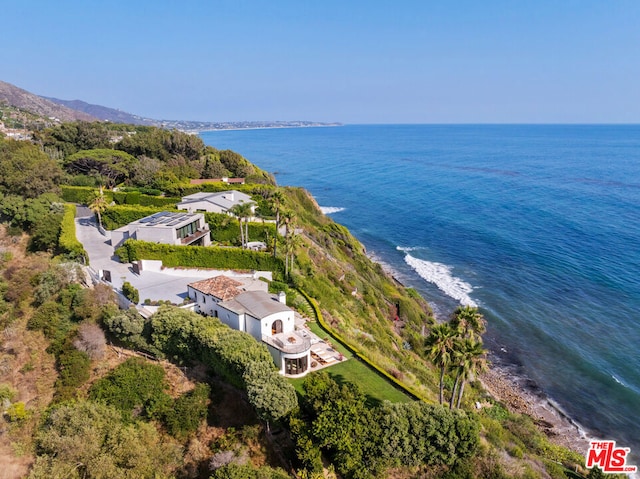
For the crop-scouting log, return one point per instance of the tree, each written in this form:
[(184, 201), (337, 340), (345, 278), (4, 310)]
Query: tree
[(269, 393), (277, 202), (440, 346), (287, 217), (343, 425), (469, 321), (469, 359), (172, 332), (110, 166), (418, 433), (242, 211), (91, 340), (85, 439), (27, 171), (98, 205), (292, 242), (45, 233)]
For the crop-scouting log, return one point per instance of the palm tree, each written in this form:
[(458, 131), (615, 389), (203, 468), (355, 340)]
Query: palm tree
[(440, 346), (469, 321), (277, 202), (287, 218), (470, 358), (292, 242), (98, 205), (242, 211)]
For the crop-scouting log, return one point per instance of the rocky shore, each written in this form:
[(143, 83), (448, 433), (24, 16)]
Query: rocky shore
[(519, 399)]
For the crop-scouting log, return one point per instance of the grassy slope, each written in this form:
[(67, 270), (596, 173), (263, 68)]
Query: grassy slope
[(357, 298)]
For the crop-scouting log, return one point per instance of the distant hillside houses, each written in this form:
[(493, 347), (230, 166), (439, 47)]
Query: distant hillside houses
[(220, 202)]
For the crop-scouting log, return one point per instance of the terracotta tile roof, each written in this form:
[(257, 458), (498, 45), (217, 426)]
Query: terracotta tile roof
[(222, 287)]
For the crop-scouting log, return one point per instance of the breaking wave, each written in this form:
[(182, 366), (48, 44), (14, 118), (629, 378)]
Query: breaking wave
[(328, 210), (440, 275)]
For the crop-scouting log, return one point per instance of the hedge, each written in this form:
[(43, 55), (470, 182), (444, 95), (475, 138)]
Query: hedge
[(117, 216), (136, 198), (68, 242), (82, 194), (199, 256), (356, 352)]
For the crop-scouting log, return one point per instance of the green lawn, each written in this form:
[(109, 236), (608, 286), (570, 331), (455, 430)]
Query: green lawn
[(372, 385)]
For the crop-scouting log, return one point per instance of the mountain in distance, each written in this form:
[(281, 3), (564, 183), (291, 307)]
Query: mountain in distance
[(74, 110), (104, 113), (19, 98), (118, 116)]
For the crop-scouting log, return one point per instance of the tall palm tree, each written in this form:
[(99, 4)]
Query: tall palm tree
[(291, 244), (277, 202), (98, 205), (287, 217), (242, 211), (470, 359), (440, 346), (469, 321)]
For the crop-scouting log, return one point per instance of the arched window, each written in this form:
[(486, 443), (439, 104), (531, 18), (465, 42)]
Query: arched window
[(276, 327)]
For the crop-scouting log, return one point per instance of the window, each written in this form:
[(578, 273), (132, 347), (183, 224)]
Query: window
[(295, 366), (187, 230)]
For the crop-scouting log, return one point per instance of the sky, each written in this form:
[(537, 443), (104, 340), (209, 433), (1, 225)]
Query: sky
[(349, 61)]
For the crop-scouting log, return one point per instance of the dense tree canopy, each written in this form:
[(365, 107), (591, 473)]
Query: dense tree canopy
[(109, 166), (26, 171), (85, 439)]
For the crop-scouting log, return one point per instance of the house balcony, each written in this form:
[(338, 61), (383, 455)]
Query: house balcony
[(195, 237), (288, 343)]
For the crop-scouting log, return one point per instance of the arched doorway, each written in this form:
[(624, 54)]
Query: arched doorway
[(276, 327)]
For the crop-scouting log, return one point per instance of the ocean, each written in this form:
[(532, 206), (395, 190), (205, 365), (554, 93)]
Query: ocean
[(537, 225)]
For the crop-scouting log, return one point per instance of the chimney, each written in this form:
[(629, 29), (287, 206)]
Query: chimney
[(282, 297)]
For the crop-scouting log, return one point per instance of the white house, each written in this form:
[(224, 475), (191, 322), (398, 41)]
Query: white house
[(266, 317), (215, 202), (166, 227)]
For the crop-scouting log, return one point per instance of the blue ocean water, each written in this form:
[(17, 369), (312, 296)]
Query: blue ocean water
[(538, 225)]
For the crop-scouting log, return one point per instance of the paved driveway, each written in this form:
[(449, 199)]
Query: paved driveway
[(151, 285)]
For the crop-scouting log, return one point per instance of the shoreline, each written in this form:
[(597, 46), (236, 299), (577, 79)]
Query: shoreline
[(516, 397), (513, 392)]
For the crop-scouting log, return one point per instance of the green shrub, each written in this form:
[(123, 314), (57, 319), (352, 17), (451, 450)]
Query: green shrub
[(130, 292), (74, 367), (188, 411), (135, 386), (17, 412), (68, 242), (7, 393)]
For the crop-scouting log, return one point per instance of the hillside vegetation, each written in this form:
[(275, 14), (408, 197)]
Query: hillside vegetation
[(90, 391)]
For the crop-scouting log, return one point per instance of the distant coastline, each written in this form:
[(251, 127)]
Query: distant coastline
[(249, 125)]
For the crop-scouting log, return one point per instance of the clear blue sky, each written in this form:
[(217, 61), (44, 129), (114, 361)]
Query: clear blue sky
[(458, 61)]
